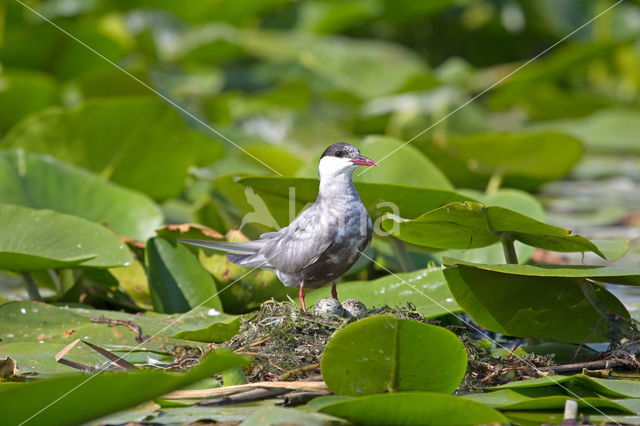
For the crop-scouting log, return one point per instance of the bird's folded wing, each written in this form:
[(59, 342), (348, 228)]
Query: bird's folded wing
[(298, 245), (247, 248)]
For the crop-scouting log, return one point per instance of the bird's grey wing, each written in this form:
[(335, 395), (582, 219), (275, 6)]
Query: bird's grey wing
[(274, 234), (300, 244), (246, 248)]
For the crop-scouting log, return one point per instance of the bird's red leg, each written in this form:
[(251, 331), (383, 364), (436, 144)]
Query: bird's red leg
[(334, 290), (301, 296)]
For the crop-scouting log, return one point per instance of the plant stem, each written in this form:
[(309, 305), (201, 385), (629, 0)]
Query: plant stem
[(402, 255), (494, 183), (510, 255), (67, 280), (32, 287)]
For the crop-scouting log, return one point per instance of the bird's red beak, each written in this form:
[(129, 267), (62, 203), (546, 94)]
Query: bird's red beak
[(361, 160)]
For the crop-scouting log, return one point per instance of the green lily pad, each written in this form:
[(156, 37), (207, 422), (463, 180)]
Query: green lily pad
[(608, 274), (395, 158), (34, 322), (138, 142), (276, 415), (42, 182), (610, 388), (471, 160), (40, 239), (548, 305), (386, 354), (63, 400), (470, 225), (38, 356), (218, 332), (431, 295), (366, 68), (278, 158), (23, 93), (508, 399), (513, 199), (411, 408), (177, 280), (609, 130)]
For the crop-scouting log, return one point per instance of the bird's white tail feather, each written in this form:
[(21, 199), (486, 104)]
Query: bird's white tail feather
[(246, 248)]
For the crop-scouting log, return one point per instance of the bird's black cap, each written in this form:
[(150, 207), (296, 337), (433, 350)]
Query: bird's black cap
[(341, 149)]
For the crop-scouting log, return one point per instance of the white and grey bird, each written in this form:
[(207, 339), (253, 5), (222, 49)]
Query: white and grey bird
[(324, 241)]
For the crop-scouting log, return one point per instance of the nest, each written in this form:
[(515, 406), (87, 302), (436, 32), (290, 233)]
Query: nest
[(287, 344)]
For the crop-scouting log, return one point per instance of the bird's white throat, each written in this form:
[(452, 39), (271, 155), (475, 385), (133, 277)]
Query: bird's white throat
[(335, 177)]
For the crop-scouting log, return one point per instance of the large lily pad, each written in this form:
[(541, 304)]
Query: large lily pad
[(470, 161), (278, 416), (366, 68), (607, 274), (426, 289), (579, 384), (42, 182), (604, 131), (471, 225), (38, 357), (40, 239), (507, 399), (177, 280), (395, 158), (386, 354), (550, 306), (39, 323), (140, 142), (410, 408), (63, 400), (24, 92), (513, 199)]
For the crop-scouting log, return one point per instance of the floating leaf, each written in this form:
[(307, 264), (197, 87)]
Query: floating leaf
[(40, 239), (63, 400), (38, 357), (395, 159), (386, 354), (411, 408), (426, 289), (177, 280), (42, 182), (22, 93), (281, 160), (471, 160), (609, 388), (366, 68), (140, 142), (609, 130), (282, 416), (217, 332), (607, 274), (470, 225), (533, 301), (45, 329), (507, 399), (513, 199)]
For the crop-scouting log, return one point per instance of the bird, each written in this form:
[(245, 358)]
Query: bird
[(321, 243)]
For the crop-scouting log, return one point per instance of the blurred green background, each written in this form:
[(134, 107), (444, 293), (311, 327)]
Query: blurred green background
[(284, 79)]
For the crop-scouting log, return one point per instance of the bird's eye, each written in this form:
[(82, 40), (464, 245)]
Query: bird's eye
[(339, 154)]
